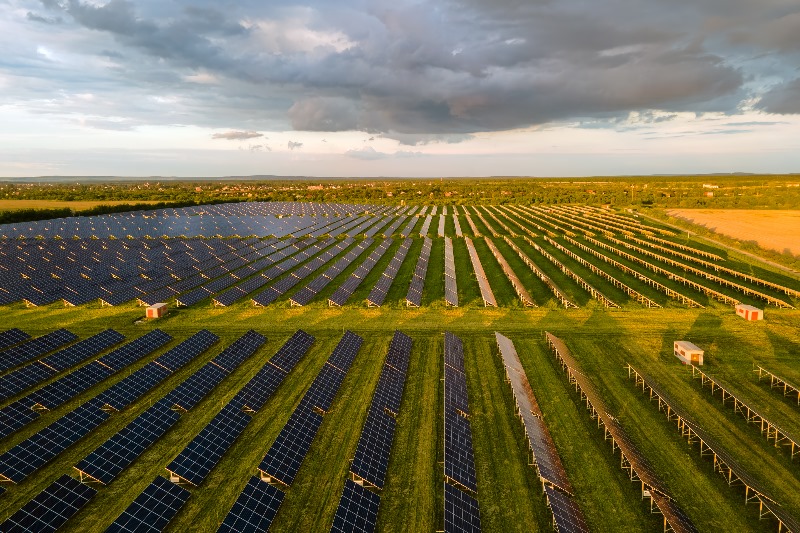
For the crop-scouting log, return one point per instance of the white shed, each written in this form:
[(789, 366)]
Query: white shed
[(688, 353), (748, 312)]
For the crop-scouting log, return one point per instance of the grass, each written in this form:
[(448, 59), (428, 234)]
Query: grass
[(510, 496), (602, 340)]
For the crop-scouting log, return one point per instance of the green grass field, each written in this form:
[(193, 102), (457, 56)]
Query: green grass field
[(510, 496)]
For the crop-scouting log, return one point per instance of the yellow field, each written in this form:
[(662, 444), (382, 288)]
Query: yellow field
[(774, 230), (13, 205)]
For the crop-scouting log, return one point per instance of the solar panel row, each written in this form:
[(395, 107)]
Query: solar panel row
[(461, 511), (10, 337), (567, 515), (483, 282), (51, 508), (27, 376), (414, 295), (256, 506), (450, 286), (201, 455), (632, 459), (310, 291), (153, 509), (106, 462), (371, 459), (346, 289), (34, 348)]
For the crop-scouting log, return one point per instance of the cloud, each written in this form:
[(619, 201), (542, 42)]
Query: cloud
[(413, 71), (292, 145), (44, 20), (237, 135), (368, 153), (782, 99)]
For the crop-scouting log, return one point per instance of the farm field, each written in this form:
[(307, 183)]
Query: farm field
[(13, 205), (628, 302), (775, 230)]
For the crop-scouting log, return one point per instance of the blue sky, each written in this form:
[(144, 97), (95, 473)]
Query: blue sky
[(380, 88)]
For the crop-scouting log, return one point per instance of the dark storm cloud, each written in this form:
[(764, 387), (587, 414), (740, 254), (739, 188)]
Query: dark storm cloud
[(421, 72), (783, 99)]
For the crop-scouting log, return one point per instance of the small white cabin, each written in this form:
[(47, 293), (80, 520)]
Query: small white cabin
[(748, 312), (688, 353)]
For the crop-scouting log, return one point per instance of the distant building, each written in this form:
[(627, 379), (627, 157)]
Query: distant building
[(688, 353), (709, 194), (748, 312), (710, 186)]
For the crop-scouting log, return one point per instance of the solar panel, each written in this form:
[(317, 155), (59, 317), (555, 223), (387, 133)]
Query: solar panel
[(450, 286), (286, 454), (461, 512), (10, 337), (34, 452), (106, 462), (346, 290), (82, 350), (196, 387), (378, 294), (67, 387), (255, 508), (294, 349), (35, 348), (483, 281), (459, 461), (135, 350), (357, 511), (15, 416), (140, 382), (371, 459), (283, 460), (51, 508), (201, 455), (188, 350), (153, 509), (258, 390), (567, 516)]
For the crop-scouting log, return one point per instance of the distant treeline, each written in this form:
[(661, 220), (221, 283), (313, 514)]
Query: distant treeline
[(31, 215)]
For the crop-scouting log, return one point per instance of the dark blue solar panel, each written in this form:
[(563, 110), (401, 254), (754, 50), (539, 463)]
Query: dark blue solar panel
[(31, 454), (461, 513), (153, 509), (35, 348), (82, 350), (201, 455), (14, 416), (194, 389), (134, 386), (135, 350), (10, 337), (117, 453), (188, 350), (294, 349), (240, 350), (51, 508), (286, 454), (357, 511), (254, 510)]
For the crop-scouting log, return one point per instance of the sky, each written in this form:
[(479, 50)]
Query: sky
[(398, 88)]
